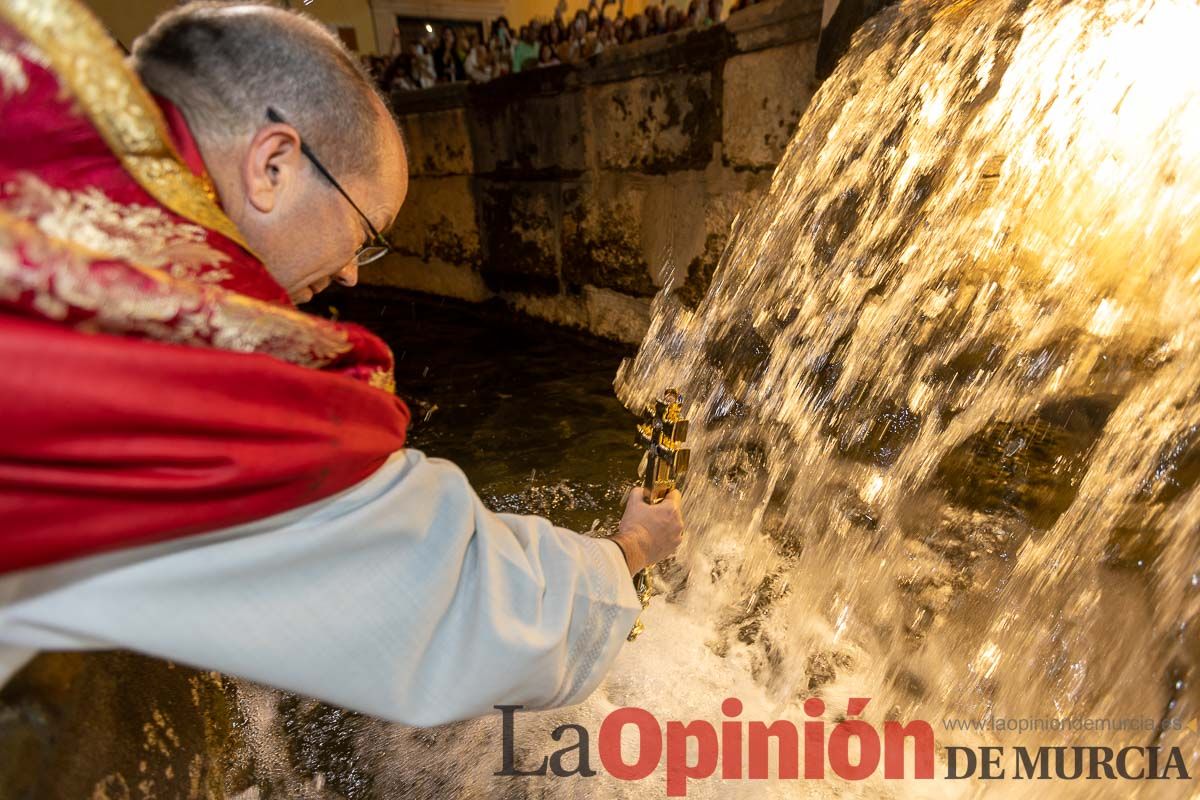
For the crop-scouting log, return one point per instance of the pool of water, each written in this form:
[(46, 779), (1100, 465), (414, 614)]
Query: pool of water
[(526, 409)]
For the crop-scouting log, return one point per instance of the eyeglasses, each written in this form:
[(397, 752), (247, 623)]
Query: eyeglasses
[(377, 247)]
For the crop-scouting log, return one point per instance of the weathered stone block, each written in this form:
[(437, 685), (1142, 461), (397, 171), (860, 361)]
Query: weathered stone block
[(523, 133), (435, 277), (521, 224), (770, 24), (638, 233), (720, 210), (616, 316), (673, 223), (765, 93), (439, 221), (119, 725), (618, 176), (656, 123), (438, 143), (602, 241), (601, 312)]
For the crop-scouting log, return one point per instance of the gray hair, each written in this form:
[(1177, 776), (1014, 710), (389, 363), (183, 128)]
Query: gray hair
[(223, 64)]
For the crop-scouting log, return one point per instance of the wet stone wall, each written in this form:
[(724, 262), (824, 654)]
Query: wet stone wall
[(576, 193)]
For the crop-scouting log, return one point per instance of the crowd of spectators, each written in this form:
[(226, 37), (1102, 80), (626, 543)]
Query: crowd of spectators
[(461, 55)]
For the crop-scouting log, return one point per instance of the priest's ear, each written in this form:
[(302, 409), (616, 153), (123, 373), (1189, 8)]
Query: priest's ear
[(272, 165)]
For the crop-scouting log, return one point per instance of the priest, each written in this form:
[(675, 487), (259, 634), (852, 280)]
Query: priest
[(194, 469)]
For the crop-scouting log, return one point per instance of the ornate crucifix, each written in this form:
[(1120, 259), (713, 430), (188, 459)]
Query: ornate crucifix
[(662, 433)]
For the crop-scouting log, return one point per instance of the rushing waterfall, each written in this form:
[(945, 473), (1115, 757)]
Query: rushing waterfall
[(947, 375), (945, 402)]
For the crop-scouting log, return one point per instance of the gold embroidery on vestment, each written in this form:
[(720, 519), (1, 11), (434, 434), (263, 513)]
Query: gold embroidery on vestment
[(131, 299), (384, 379), (89, 65), (13, 79), (145, 235)]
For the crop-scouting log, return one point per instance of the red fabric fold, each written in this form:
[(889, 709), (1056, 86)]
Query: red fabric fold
[(181, 136), (155, 380), (110, 442)]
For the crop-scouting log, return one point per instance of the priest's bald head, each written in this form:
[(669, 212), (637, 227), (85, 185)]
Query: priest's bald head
[(255, 83)]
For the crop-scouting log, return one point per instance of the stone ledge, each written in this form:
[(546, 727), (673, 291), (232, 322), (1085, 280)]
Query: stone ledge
[(433, 277), (601, 312), (578, 191), (772, 24)]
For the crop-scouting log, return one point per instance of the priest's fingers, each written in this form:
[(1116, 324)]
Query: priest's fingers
[(656, 529)]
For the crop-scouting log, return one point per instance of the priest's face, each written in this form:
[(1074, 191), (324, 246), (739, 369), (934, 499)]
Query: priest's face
[(305, 231)]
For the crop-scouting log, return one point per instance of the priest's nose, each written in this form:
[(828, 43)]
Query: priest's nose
[(347, 275)]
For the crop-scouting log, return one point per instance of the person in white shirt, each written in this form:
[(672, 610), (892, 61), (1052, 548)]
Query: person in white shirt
[(479, 64), (400, 596)]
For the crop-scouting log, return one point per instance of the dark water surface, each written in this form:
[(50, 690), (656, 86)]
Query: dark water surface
[(526, 409)]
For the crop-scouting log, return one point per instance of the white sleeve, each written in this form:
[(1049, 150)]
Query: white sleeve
[(403, 597)]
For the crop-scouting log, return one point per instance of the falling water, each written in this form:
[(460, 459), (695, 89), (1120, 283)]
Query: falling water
[(946, 419), (947, 376)]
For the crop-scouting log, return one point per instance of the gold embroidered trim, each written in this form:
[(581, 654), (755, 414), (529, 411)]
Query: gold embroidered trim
[(383, 379), (13, 80), (89, 65), (62, 278), (144, 235)]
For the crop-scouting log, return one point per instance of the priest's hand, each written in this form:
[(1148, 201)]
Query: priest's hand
[(649, 533)]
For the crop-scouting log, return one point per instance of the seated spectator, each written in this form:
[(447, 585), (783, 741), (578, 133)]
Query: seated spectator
[(554, 33), (674, 20), (714, 10), (502, 33), (500, 42), (424, 71), (606, 38), (446, 60), (397, 76), (467, 39), (641, 27), (479, 65), (547, 58), (656, 22), (581, 25), (525, 51), (372, 65), (501, 59), (581, 43), (628, 31)]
